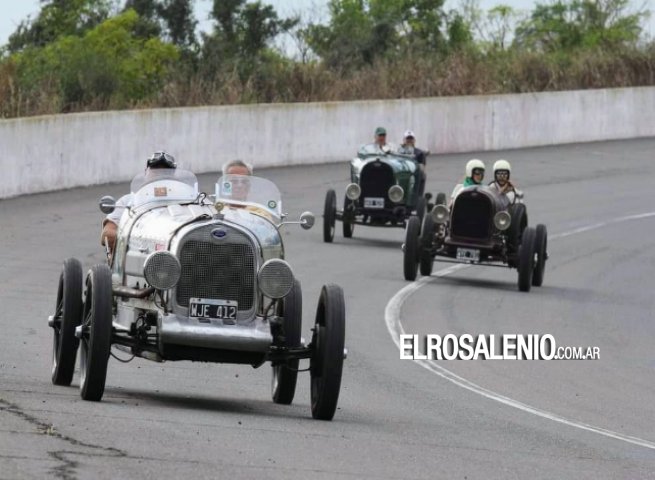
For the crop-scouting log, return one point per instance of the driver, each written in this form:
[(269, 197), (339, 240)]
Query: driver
[(379, 145), (501, 183), (474, 176), (157, 160), (241, 184), (240, 187)]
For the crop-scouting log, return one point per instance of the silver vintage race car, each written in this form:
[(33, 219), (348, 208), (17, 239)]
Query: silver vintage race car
[(201, 278)]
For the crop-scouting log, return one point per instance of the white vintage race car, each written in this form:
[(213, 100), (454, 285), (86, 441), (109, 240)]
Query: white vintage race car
[(198, 277)]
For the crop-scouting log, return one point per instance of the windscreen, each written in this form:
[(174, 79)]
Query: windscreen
[(245, 190), (164, 185)]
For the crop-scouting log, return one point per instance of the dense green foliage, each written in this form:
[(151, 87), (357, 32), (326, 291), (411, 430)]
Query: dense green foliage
[(97, 54)]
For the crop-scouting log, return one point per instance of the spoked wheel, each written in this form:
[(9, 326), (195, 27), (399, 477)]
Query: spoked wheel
[(541, 248), (348, 224), (412, 248), (326, 363), (68, 315), (526, 259), (425, 259), (95, 341), (283, 386), (329, 216)]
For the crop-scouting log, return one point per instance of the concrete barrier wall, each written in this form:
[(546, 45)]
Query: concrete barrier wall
[(63, 151)]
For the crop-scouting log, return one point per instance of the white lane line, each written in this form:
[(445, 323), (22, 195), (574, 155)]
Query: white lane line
[(393, 320)]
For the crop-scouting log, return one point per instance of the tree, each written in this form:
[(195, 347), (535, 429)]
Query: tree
[(108, 65), (569, 24), (242, 34), (173, 19), (58, 18), (361, 31)]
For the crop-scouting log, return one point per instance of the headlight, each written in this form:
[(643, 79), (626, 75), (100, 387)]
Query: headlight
[(502, 220), (353, 191), (439, 214), (275, 278), (396, 194), (162, 270)]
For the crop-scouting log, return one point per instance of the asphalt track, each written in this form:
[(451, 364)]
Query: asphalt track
[(396, 419)]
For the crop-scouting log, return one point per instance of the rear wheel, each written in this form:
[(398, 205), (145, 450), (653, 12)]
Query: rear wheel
[(95, 343), (326, 363), (411, 253), (425, 256), (541, 249), (68, 315), (347, 220), (526, 259), (329, 216), (284, 376)]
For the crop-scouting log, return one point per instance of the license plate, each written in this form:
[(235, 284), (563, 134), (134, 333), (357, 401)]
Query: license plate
[(468, 254), (373, 202), (208, 308)]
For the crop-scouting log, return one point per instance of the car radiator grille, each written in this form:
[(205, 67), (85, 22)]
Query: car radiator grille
[(375, 180), (217, 269), (471, 216)]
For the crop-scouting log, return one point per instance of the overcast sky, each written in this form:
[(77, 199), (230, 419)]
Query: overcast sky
[(13, 11)]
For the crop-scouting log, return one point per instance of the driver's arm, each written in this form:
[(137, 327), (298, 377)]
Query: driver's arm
[(111, 221)]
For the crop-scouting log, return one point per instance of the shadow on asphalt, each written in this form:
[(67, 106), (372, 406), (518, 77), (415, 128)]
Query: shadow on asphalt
[(208, 404)]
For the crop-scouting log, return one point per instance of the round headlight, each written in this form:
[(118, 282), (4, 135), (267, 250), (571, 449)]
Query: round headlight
[(502, 220), (439, 214), (275, 278), (396, 194), (353, 191), (162, 270)]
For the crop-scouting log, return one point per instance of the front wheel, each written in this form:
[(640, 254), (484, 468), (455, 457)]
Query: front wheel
[(421, 207), (526, 259), (329, 215), (284, 376), (326, 363), (411, 253), (68, 315), (347, 220), (425, 259), (95, 342), (541, 249)]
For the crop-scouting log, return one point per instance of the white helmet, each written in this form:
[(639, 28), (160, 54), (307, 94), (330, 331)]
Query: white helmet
[(502, 165), (472, 165)]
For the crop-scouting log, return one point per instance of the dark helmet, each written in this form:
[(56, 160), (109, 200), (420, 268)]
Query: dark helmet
[(161, 160)]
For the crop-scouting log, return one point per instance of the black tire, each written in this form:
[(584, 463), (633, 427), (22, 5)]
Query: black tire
[(68, 315), (329, 216), (411, 253), (283, 384), (421, 206), (526, 259), (348, 227), (518, 223), (326, 364), (541, 248), (441, 199), (425, 260), (95, 343)]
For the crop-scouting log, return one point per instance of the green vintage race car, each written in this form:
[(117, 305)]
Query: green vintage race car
[(386, 189)]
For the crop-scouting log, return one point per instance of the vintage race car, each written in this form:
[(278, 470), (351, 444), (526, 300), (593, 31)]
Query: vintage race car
[(385, 190), (482, 227), (201, 278)]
